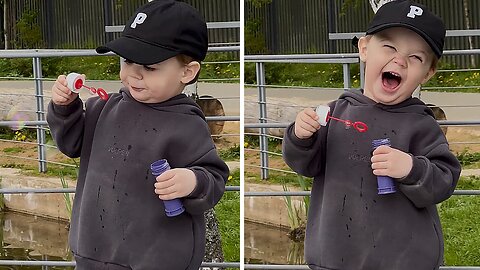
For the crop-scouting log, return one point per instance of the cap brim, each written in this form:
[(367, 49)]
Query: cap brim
[(137, 51), (430, 42)]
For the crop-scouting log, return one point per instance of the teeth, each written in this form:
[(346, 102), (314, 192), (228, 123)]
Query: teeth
[(394, 74)]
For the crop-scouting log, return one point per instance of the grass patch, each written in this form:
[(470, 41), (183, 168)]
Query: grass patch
[(230, 154), (13, 150), (461, 225), (108, 67), (279, 178), (469, 160), (228, 214), (53, 170)]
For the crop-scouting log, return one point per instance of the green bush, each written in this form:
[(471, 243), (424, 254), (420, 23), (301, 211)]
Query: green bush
[(468, 158), (107, 67)]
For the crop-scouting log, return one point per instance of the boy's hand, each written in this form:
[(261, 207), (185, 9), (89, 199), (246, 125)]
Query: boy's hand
[(306, 123), (388, 161), (175, 183), (61, 95)]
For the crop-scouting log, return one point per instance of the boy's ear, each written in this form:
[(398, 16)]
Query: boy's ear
[(429, 74), (362, 48), (190, 72)]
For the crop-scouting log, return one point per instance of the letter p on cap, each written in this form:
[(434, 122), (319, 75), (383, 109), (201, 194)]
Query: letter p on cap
[(139, 19), (415, 11)]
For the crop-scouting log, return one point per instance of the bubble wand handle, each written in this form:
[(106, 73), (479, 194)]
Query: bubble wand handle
[(385, 184), (173, 207)]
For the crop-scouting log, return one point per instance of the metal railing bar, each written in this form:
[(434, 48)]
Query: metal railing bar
[(305, 267), (72, 263), (273, 169), (296, 87), (458, 70), (260, 58), (44, 123), (219, 80), (268, 135), (227, 135), (449, 33), (66, 190), (450, 87), (41, 53), (222, 62), (308, 193), (440, 122), (261, 151), (210, 25), (49, 96)]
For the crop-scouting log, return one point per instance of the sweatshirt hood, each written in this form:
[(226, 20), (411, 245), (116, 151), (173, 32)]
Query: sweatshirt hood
[(177, 104), (411, 104)]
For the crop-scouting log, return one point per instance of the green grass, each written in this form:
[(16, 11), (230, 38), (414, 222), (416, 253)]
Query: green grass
[(13, 150), (228, 214), (278, 178), (108, 67), (53, 170), (230, 154), (461, 225), (469, 160)]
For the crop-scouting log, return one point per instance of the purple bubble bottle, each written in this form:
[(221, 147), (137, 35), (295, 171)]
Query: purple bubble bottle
[(173, 207), (385, 184)]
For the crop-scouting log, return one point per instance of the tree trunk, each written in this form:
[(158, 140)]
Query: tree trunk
[(466, 15), (5, 25), (213, 243)]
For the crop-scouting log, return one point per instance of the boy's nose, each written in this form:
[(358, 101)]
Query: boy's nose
[(400, 60)]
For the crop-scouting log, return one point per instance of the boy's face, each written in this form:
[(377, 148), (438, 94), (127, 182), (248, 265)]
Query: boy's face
[(397, 60), (158, 82)]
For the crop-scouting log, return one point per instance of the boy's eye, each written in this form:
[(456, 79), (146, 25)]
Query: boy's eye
[(416, 57), (389, 47), (147, 68)]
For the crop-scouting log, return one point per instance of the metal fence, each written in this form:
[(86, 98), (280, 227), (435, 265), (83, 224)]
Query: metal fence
[(304, 267), (80, 24), (345, 60), (38, 79), (302, 26)]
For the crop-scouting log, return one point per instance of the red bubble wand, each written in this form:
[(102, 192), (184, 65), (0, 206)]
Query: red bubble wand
[(323, 113), (75, 83)]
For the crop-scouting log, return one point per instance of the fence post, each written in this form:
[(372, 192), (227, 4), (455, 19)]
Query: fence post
[(262, 102), (362, 74), (346, 77), (37, 74)]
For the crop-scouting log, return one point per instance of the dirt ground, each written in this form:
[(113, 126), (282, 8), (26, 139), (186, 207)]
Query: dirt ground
[(30, 151)]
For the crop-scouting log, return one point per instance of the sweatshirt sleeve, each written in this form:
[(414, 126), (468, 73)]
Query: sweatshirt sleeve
[(67, 126), (211, 173), (304, 156), (434, 175)]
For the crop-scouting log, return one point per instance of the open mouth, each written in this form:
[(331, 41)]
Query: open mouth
[(391, 80)]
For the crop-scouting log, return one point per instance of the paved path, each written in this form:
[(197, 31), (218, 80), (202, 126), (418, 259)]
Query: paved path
[(313, 97), (227, 93)]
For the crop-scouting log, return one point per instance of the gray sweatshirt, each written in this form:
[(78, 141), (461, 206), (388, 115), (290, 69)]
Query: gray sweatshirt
[(349, 225), (118, 222)]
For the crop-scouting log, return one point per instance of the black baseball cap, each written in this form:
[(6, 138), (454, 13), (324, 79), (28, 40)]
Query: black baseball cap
[(414, 16), (160, 30)]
